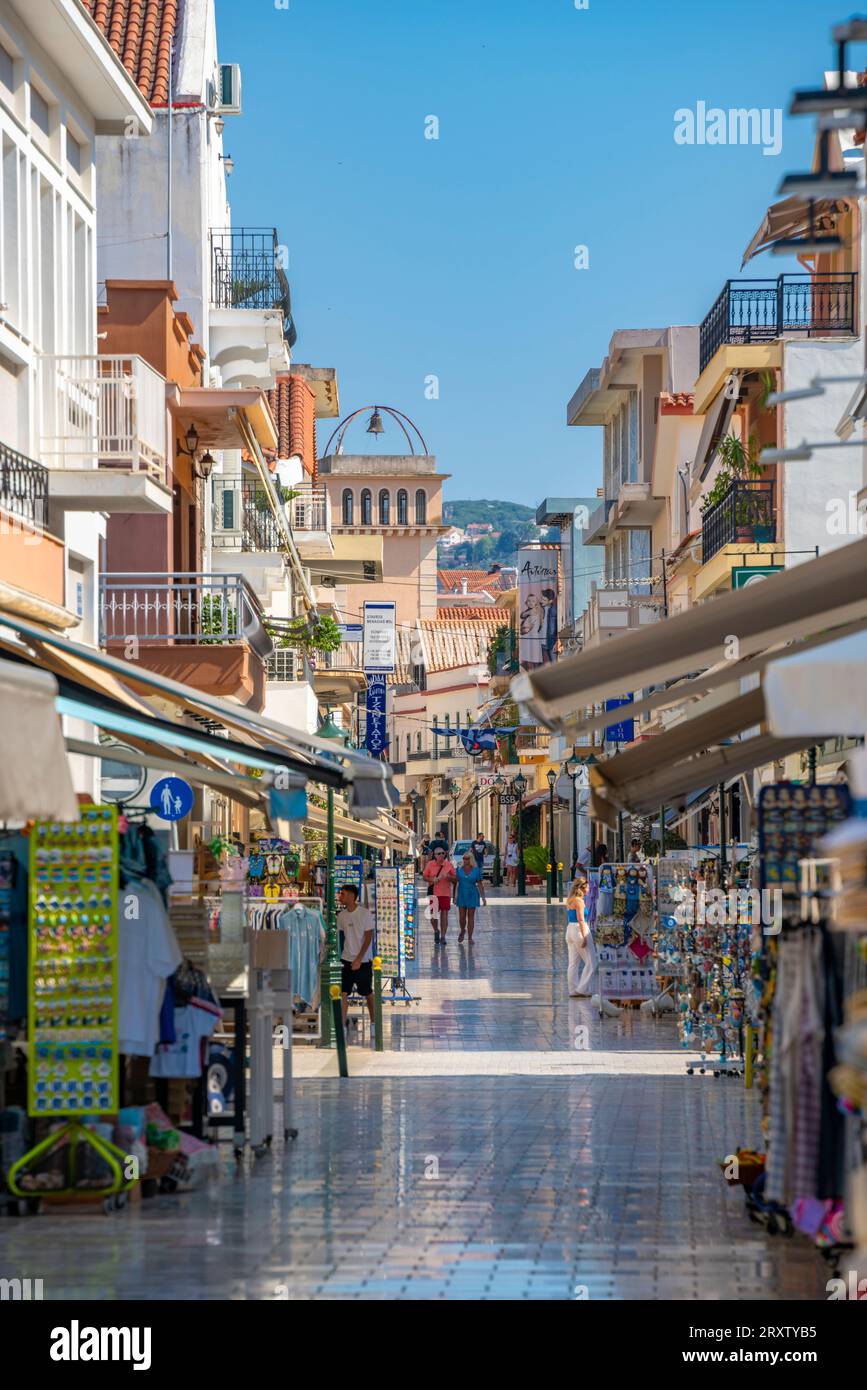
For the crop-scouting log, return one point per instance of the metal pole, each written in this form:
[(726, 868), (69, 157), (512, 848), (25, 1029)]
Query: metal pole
[(552, 865), (723, 874), (377, 1003), (811, 764), (169, 255), (574, 825), (337, 1022), (522, 875), (621, 844), (661, 831), (330, 966), (498, 812)]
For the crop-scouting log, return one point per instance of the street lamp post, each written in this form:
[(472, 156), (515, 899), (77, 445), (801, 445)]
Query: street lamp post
[(552, 862), (572, 767), (520, 785), (495, 802), (413, 801), (455, 791), (330, 971)]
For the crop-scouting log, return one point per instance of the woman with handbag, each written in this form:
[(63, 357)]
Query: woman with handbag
[(582, 970), (440, 874)]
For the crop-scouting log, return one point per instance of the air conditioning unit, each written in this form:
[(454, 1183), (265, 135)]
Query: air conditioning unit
[(229, 89)]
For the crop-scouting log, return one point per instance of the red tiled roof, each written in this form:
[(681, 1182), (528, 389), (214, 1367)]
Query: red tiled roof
[(293, 405), (458, 616), (676, 403), (451, 581), (140, 32)]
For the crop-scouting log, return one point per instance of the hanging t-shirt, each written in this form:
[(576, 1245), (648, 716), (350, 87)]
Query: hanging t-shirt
[(148, 953), (193, 1023)]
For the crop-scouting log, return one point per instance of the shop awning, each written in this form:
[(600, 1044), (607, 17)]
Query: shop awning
[(34, 770), (824, 690), (791, 218), (798, 602), (724, 673)]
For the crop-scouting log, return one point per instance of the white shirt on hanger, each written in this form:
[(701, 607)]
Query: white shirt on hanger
[(148, 953)]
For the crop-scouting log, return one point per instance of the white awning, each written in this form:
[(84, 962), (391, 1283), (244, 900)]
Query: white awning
[(823, 691), (35, 782)]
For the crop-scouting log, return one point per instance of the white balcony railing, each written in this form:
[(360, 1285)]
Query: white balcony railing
[(310, 509), (613, 610), (106, 412)]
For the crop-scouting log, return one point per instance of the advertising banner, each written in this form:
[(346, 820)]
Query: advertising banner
[(537, 607), (376, 736), (380, 637)]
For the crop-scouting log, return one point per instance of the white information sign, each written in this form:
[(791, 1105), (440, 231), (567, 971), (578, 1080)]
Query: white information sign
[(380, 637)]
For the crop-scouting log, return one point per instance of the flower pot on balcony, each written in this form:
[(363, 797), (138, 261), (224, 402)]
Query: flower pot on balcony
[(763, 535)]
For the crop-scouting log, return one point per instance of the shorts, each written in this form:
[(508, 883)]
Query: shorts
[(443, 904), (362, 978)]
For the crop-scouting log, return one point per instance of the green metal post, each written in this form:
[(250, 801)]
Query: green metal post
[(661, 831), (621, 842), (560, 882), (548, 877), (330, 974), (377, 1003), (522, 872), (337, 1020)]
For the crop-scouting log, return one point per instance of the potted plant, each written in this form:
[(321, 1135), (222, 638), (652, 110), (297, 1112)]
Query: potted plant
[(738, 463)]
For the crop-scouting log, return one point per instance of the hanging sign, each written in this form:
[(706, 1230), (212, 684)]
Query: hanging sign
[(624, 731), (376, 737), (537, 607), (745, 575), (380, 637), (171, 798), (350, 632)]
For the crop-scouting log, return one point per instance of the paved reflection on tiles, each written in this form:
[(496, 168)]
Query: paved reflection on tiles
[(428, 1174)]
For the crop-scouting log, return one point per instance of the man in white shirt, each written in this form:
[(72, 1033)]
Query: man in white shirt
[(356, 923)]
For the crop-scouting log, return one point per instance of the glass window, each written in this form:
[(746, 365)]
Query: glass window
[(7, 68), (421, 507), (402, 507), (366, 508), (348, 506), (418, 742), (74, 152), (639, 560), (384, 507), (39, 112), (633, 437)]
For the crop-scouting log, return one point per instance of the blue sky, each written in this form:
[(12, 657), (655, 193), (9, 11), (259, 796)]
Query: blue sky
[(454, 257)]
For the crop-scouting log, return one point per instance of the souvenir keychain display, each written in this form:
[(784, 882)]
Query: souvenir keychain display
[(72, 977), (623, 932), (792, 819)]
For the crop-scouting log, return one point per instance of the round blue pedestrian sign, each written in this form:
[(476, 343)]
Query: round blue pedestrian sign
[(171, 798)]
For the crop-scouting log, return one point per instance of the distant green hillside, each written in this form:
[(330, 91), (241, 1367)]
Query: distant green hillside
[(514, 520)]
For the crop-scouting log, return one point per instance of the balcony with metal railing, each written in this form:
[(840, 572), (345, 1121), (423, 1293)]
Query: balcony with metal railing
[(309, 510), (759, 311), (104, 414), (744, 515), (23, 488), (207, 630), (248, 272), (243, 518)]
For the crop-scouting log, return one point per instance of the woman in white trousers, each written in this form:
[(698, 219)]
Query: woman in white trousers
[(582, 973)]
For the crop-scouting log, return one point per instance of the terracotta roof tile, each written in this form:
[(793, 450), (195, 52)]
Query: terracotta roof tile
[(140, 32), (451, 581), (676, 402), (293, 405), (450, 640)]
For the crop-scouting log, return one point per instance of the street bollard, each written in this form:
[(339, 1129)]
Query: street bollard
[(560, 882), (549, 893), (377, 1003), (337, 1023)]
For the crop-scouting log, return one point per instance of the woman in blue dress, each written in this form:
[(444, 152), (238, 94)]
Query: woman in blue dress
[(469, 894)]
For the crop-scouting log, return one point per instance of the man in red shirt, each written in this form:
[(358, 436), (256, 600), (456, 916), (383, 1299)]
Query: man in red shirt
[(441, 874)]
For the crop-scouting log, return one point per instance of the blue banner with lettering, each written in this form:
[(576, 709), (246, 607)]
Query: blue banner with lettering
[(624, 731), (376, 736)]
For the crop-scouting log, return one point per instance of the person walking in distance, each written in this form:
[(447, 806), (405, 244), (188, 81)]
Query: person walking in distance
[(440, 874), (512, 860), (469, 894)]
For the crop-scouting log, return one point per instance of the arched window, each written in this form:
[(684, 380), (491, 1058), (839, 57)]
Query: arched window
[(384, 507), (348, 506), (402, 508), (366, 508), (421, 507)]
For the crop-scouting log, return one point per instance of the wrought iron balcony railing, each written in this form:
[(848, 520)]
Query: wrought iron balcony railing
[(745, 514), (243, 518), (23, 487), (248, 272), (200, 609), (758, 311)]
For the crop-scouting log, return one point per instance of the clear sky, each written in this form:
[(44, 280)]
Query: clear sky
[(412, 257)]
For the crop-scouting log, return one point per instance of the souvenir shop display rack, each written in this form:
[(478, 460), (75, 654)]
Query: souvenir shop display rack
[(392, 888), (72, 986), (623, 933)]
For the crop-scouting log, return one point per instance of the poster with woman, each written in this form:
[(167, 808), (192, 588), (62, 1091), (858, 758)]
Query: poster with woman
[(537, 607)]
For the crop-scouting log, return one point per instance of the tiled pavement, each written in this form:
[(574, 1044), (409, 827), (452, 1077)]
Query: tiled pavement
[(479, 1157)]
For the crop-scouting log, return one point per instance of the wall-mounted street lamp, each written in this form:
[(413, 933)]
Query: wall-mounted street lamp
[(190, 449)]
